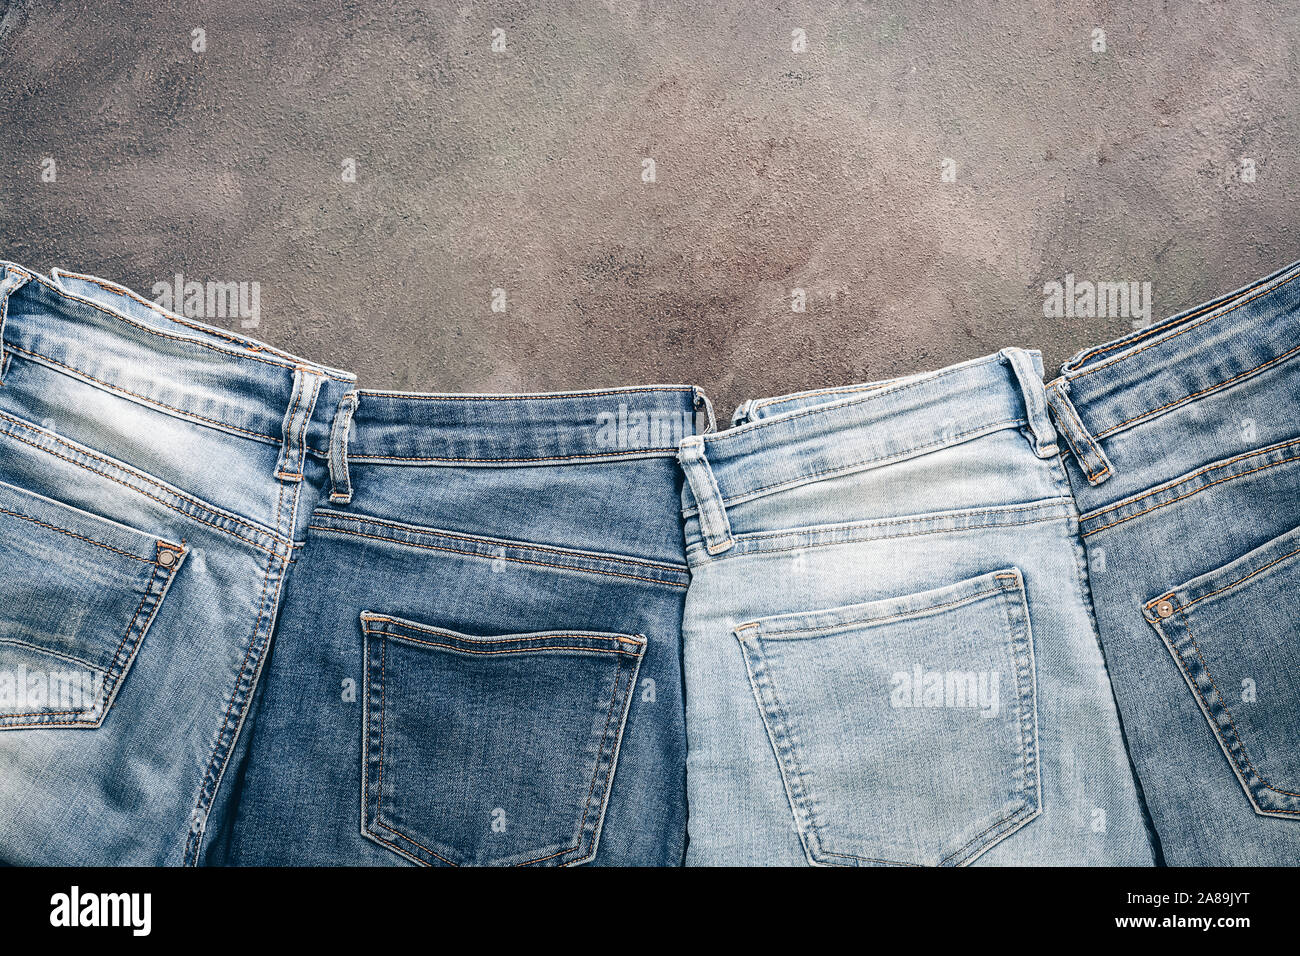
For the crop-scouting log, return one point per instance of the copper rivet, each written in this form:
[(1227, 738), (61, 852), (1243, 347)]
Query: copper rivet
[(167, 558), (1164, 608)]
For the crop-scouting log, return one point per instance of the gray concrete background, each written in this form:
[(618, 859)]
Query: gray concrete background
[(775, 170)]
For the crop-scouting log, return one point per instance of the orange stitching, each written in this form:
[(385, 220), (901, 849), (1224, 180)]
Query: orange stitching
[(1223, 704), (1074, 415), (1196, 474), (1212, 388), (417, 530), (604, 454), (400, 396), (73, 534), (1175, 321), (1046, 503), (1217, 481), (499, 557), (521, 650), (143, 398), (143, 478), (906, 453), (206, 330), (1247, 577), (881, 620), (483, 640)]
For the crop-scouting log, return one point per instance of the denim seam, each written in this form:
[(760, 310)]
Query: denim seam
[(1196, 474), (1199, 488), (742, 550), (494, 542), (475, 554), (70, 658), (391, 624), (73, 534), (901, 615), (415, 396), (517, 650), (206, 330), (143, 398), (865, 463), (186, 340), (1174, 322), (114, 669), (883, 522), (1209, 710), (1072, 415), (835, 406), (140, 476), (630, 452), (1204, 391), (1241, 580)]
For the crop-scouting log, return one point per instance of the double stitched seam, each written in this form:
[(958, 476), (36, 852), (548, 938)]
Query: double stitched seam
[(1240, 580), (517, 650), (743, 547), (1177, 320), (1211, 484), (882, 620), (502, 557), (854, 465), (595, 776), (297, 441), (1224, 707), (1196, 474), (609, 454), (145, 479), (522, 545), (868, 525), (404, 396), (73, 534), (1188, 398), (379, 779), (1004, 822), (402, 625), (144, 398), (748, 427), (107, 693), (171, 318)]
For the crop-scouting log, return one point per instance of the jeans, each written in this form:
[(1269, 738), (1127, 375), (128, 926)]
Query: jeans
[(1185, 461), (475, 605), (890, 653)]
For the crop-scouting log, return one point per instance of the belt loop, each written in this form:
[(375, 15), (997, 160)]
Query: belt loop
[(741, 415), (1028, 367), (1087, 451), (12, 282), (293, 445), (704, 488), (340, 483), (703, 407)]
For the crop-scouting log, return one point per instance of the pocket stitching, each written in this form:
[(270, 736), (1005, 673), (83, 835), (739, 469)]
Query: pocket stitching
[(604, 745)]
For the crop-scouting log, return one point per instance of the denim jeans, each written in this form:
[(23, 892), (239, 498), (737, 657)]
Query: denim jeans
[(890, 654), (1185, 461), (475, 600)]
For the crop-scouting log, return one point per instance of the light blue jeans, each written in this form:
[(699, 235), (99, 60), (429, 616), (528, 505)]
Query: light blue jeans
[(890, 653)]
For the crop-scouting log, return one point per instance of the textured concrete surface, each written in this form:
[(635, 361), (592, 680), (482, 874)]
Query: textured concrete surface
[(522, 169)]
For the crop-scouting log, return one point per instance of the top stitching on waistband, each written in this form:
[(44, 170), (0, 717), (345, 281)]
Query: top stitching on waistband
[(175, 338), (1174, 322), (927, 379), (416, 396)]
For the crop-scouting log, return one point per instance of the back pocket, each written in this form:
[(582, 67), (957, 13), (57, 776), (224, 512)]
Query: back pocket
[(1235, 635), (77, 594), (492, 751), (905, 729)]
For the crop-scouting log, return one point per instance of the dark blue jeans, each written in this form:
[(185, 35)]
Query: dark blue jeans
[(1186, 466)]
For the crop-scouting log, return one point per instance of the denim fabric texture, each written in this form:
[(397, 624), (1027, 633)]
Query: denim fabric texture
[(890, 654), (1185, 460), (476, 604)]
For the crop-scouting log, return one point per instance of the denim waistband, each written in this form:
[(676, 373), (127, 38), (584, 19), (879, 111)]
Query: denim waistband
[(404, 428), (811, 436), (1120, 385), (115, 339)]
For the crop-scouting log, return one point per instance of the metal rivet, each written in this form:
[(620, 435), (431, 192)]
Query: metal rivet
[(166, 558), (1164, 609)]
